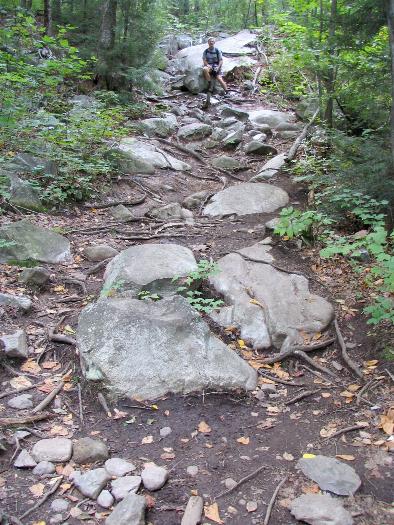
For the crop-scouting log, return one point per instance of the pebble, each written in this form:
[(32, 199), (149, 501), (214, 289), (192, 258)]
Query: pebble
[(88, 450), (229, 483), (59, 505), (57, 450), (130, 511), (99, 252), (193, 511), (331, 474), (44, 467), (270, 389), (92, 482), (105, 499), (121, 487), (37, 276), (24, 460), (154, 477), (165, 431), (251, 506), (56, 518), (320, 509), (192, 470), (118, 467), (21, 402)]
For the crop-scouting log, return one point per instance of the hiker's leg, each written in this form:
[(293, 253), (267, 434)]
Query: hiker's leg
[(205, 71), (222, 82)]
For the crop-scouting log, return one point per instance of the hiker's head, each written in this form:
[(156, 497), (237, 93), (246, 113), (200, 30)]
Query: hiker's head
[(211, 42)]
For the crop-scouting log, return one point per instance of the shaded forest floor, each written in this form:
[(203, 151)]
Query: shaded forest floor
[(242, 433)]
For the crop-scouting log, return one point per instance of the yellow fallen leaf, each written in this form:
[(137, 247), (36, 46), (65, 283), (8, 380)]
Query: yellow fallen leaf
[(372, 362), (353, 388), (59, 289), (37, 490), (204, 428), (154, 407), (212, 513), (243, 440), (241, 343), (68, 330), (346, 457), (146, 440), (308, 456), (254, 301), (347, 394), (31, 366), (39, 523), (325, 394)]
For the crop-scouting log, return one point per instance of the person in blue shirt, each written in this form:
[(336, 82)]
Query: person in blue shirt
[(213, 61)]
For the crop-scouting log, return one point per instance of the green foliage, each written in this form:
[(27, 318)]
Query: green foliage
[(193, 281), (305, 224), (146, 294)]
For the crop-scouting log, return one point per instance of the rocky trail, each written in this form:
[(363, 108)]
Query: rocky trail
[(121, 404)]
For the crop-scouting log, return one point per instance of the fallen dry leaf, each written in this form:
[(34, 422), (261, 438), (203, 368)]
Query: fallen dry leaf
[(150, 501), (167, 456), (31, 367), (346, 457), (311, 489), (287, 456), (119, 414), (212, 513), (353, 387), (146, 440), (204, 428), (327, 432), (48, 365), (387, 422), (20, 382), (325, 394), (37, 490), (243, 440), (59, 430)]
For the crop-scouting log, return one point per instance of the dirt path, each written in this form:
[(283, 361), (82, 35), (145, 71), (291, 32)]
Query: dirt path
[(242, 433)]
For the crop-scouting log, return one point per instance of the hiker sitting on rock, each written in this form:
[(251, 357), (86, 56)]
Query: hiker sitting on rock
[(213, 61)]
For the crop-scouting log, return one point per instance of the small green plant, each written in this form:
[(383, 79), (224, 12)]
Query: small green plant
[(112, 289), (193, 281), (146, 294), (307, 225)]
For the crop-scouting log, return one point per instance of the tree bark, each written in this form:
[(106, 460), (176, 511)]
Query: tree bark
[(330, 81), (48, 17), (108, 25), (57, 11), (390, 23)]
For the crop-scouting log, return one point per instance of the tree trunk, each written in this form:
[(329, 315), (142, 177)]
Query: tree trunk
[(107, 41), (330, 81), (48, 17), (390, 23), (57, 11)]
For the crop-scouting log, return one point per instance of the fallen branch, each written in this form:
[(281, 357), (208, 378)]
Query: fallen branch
[(280, 381), (272, 501), (345, 356), (148, 238), (43, 499), (47, 400), (294, 148), (24, 389), (389, 374), (279, 268), (301, 396), (80, 403), (347, 429), (117, 203), (364, 389), (103, 403), (305, 357), (59, 338), (24, 420), (243, 480), (188, 151)]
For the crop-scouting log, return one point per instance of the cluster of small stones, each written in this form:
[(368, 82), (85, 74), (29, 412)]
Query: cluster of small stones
[(114, 485)]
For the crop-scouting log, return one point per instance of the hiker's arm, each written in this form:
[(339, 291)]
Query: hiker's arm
[(204, 59)]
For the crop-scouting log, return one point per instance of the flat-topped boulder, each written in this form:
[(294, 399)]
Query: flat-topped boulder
[(28, 241), (146, 349), (194, 131), (150, 155), (148, 267), (269, 117), (246, 198), (284, 307), (270, 168), (159, 126)]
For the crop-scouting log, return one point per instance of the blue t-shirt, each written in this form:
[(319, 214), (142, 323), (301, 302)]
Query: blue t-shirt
[(212, 56)]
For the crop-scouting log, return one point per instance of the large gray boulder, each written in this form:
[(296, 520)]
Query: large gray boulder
[(29, 241), (160, 126), (284, 306), (22, 193), (147, 349), (270, 168), (149, 267), (189, 61), (246, 198), (26, 163), (150, 154), (226, 163), (194, 131), (260, 118)]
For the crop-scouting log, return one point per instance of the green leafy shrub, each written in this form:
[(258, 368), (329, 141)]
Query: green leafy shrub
[(307, 225)]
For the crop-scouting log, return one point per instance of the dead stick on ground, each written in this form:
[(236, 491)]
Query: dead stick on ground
[(301, 396), (280, 381), (98, 266), (345, 355), (305, 357), (104, 404), (11, 421), (363, 390), (389, 374), (347, 429), (80, 403), (59, 338), (294, 148), (116, 203), (272, 501), (49, 398), (43, 499), (243, 480), (188, 151), (280, 357)]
